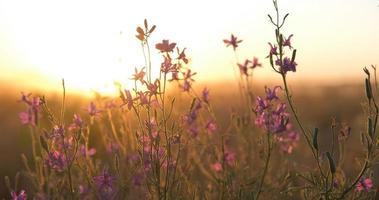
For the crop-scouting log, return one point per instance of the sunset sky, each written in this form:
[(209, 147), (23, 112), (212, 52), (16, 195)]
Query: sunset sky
[(44, 41)]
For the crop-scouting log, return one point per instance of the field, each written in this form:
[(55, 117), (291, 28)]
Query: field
[(165, 134)]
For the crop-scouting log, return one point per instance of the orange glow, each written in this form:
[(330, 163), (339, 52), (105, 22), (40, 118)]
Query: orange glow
[(92, 44)]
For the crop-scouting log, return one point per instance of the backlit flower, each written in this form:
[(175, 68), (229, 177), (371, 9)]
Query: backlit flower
[(232, 42), (165, 46), (364, 184)]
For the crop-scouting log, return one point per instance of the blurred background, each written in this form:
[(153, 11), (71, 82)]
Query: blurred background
[(92, 44)]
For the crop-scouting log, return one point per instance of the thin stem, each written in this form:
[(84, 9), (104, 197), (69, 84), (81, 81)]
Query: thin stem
[(269, 149)]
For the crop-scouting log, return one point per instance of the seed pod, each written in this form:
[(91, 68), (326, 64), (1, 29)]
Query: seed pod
[(293, 55), (331, 163), (315, 138), (271, 61), (368, 89), (369, 128), (145, 23)]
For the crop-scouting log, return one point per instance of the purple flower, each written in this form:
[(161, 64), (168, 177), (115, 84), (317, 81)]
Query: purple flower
[(92, 110), (364, 184), (56, 161), (287, 42), (127, 99), (105, 184), (271, 94), (87, 152), (232, 42), (273, 49), (244, 67), (229, 157), (20, 196), (255, 63), (287, 65), (205, 95), (27, 117), (211, 127)]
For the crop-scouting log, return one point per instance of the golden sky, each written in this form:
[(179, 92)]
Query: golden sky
[(42, 41)]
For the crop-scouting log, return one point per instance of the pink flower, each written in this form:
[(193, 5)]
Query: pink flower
[(182, 56), (92, 110), (217, 167), (229, 157), (127, 99), (232, 42), (143, 99), (255, 63), (244, 67), (27, 118), (364, 184), (273, 50), (165, 46), (87, 152), (56, 161), (287, 42), (205, 95), (139, 75), (211, 127), (20, 196), (105, 184), (153, 87)]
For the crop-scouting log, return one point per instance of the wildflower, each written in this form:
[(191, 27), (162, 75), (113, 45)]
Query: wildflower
[(364, 184), (205, 95), (167, 65), (271, 94), (58, 132), (139, 75), (56, 161), (273, 50), (287, 42), (244, 67), (288, 142), (77, 123), (255, 63), (127, 99), (105, 184), (211, 127), (112, 148), (188, 75), (165, 46), (193, 131), (229, 157), (87, 152), (232, 42), (31, 115), (20, 196), (286, 65), (143, 99), (27, 117), (92, 110), (153, 87), (217, 167), (182, 56), (186, 86)]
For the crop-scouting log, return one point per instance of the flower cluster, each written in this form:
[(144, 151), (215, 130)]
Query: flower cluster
[(285, 64), (271, 115), (31, 115)]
